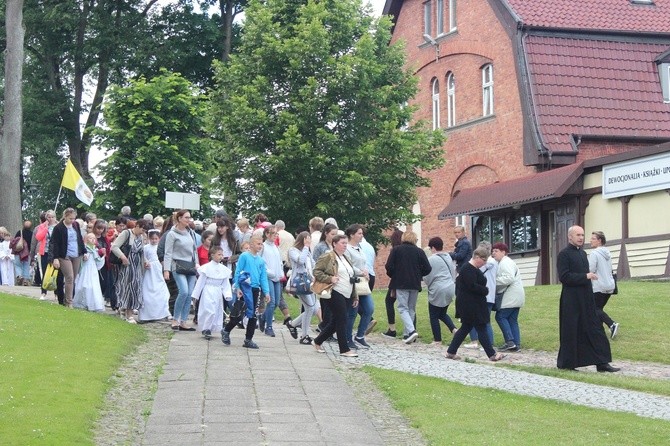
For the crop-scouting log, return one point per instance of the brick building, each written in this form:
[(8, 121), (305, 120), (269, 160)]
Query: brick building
[(538, 99)]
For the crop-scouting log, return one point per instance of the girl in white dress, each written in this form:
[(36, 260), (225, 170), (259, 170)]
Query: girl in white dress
[(155, 292), (212, 287), (6, 258), (87, 292)]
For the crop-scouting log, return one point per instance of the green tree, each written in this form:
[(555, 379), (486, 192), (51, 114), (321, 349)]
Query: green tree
[(156, 143), (310, 117)]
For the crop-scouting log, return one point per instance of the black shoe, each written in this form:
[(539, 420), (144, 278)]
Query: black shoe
[(362, 342), (306, 340), (248, 343), (390, 333), (331, 339), (225, 337), (291, 329), (352, 345), (509, 345), (207, 334), (607, 368)]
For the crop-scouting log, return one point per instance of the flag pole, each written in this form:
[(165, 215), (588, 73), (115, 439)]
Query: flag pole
[(58, 198)]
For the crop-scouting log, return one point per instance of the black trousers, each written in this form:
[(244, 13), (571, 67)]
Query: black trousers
[(251, 324), (601, 300), (337, 306), (463, 332)]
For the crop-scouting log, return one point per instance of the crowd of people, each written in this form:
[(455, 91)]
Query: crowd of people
[(233, 274)]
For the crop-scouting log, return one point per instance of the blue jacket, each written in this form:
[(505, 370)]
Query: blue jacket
[(462, 253), (255, 266)]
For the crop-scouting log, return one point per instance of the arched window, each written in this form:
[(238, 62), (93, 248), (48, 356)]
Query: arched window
[(436, 104), (451, 100), (487, 89)]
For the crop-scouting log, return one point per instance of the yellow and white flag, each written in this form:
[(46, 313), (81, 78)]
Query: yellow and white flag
[(72, 180)]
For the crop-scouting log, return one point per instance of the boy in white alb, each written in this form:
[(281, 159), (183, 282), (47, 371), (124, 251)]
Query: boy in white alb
[(212, 287)]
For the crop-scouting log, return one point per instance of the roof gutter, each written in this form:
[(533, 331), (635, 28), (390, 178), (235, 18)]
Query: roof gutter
[(538, 141)]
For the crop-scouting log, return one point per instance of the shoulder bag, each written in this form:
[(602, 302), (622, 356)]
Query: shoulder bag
[(616, 285), (125, 249), (302, 284), (187, 267)]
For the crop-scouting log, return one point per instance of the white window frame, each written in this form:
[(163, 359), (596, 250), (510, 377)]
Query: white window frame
[(435, 89), (439, 17), (487, 90), (452, 15), (451, 99), (428, 18)]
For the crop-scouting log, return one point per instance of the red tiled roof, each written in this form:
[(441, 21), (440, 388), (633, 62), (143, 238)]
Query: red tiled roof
[(596, 87), (538, 187), (610, 15)]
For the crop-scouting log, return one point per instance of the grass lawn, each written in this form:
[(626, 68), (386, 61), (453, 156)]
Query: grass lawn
[(56, 363), (449, 413)]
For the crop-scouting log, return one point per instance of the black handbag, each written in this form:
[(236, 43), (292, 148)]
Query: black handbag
[(185, 267), (498, 302), (616, 286), (125, 249)]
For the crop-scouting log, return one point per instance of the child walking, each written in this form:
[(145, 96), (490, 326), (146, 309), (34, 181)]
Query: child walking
[(155, 293), (6, 258), (87, 291), (212, 287)]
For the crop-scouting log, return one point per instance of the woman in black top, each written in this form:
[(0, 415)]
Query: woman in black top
[(66, 249)]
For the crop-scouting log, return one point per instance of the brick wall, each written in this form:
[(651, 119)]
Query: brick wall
[(477, 151)]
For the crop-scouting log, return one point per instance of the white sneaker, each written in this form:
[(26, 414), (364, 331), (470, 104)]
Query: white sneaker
[(472, 345), (614, 329), (411, 337), (43, 297)]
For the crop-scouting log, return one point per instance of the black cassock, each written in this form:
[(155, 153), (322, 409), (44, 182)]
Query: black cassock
[(583, 340)]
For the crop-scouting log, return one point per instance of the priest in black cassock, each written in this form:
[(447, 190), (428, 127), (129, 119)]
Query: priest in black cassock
[(583, 341)]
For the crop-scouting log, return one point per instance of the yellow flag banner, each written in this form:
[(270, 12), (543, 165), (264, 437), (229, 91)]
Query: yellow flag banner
[(73, 181)]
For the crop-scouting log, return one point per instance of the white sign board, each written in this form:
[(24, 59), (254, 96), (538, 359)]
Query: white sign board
[(180, 200), (637, 176)]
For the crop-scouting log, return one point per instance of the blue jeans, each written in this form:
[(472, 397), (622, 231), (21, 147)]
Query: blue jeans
[(182, 307), (21, 268), (489, 329), (367, 306), (275, 296), (507, 319)]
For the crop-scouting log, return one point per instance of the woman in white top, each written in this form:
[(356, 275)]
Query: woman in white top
[(300, 257), (275, 272), (336, 268), (365, 303), (508, 282)]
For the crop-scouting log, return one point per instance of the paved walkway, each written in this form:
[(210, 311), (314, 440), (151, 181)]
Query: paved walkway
[(284, 393)]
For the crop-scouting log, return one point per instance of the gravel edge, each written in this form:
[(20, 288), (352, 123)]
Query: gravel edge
[(129, 399)]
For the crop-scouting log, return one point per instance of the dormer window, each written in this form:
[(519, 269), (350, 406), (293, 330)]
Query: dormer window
[(664, 74), (663, 65)]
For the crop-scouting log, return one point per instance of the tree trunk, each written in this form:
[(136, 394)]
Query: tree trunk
[(227, 16), (10, 149)]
